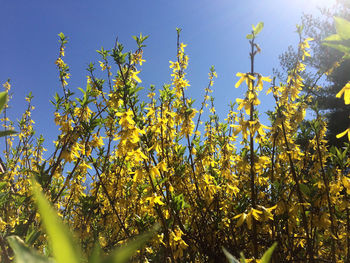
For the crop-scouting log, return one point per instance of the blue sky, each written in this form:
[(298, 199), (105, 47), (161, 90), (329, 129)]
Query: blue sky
[(214, 31)]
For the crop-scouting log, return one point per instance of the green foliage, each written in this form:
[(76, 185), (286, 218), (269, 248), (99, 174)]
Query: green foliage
[(124, 254), (63, 38), (24, 254), (256, 30), (230, 258), (139, 40), (64, 247), (265, 258), (341, 40), (268, 254), (3, 100)]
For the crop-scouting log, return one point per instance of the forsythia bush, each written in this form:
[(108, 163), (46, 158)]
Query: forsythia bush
[(121, 165)]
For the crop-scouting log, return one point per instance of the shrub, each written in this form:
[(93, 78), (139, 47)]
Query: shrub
[(120, 165)]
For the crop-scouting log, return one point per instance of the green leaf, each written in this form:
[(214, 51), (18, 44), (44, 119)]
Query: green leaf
[(334, 37), (32, 237), (340, 47), (63, 247), (249, 36), (4, 198), (24, 254), (61, 35), (299, 28), (267, 255), (2, 185), (95, 256), (258, 28), (83, 91), (343, 27), (7, 133), (3, 100), (124, 253), (230, 258), (305, 189)]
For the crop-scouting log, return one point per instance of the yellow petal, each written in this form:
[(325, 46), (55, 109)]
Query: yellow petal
[(243, 77), (343, 133), (340, 93), (249, 220), (154, 172), (256, 213), (241, 219)]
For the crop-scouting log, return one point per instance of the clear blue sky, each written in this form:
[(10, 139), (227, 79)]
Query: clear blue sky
[(214, 30)]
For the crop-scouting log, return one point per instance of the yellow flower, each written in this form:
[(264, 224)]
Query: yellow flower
[(244, 77), (260, 81), (182, 46), (102, 65), (346, 92), (135, 77), (97, 141), (59, 62), (138, 175), (347, 131), (174, 65), (154, 172), (242, 217), (154, 199)]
